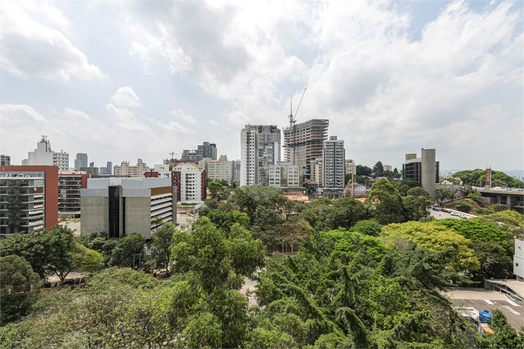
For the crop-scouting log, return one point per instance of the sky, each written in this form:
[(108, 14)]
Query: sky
[(122, 80)]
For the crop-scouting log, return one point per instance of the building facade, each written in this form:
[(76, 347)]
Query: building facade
[(123, 206), (28, 198), (316, 171), (424, 170), (260, 147), (303, 143), (208, 150), (109, 168), (5, 160), (69, 199), (190, 181), (191, 156), (333, 163), (351, 167), (124, 169), (217, 169), (284, 176), (80, 161), (44, 155)]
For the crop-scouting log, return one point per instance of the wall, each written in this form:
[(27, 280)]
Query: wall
[(95, 214), (138, 216)]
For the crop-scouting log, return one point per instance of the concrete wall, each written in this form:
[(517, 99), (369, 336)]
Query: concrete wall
[(138, 216), (95, 215), (518, 259), (428, 162)]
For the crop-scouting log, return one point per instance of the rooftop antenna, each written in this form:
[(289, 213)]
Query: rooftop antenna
[(293, 121)]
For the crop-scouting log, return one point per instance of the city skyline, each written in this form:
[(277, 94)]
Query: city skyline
[(152, 78)]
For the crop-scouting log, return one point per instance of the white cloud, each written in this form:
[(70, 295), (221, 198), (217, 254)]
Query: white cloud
[(16, 113), (172, 126), (188, 119), (125, 97), (33, 47), (213, 122), (76, 114)]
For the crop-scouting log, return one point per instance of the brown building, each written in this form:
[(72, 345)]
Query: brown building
[(28, 198)]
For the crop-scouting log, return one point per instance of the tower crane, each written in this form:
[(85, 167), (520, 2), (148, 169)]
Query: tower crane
[(293, 121)]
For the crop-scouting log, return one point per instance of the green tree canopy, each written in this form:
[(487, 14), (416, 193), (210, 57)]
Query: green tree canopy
[(385, 202), (345, 213), (367, 227), (248, 198), (162, 241), (364, 170)]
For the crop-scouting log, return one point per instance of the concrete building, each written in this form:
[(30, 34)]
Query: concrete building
[(5, 160), (109, 168), (217, 169), (424, 170), (303, 143), (80, 161), (208, 150), (124, 169), (388, 168), (235, 170), (69, 199), (260, 147), (28, 198), (43, 155), (316, 171), (284, 175), (518, 260), (163, 171), (333, 164), (190, 181), (351, 167), (191, 156), (123, 206)]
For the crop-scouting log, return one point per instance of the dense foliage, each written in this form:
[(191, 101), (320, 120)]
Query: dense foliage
[(478, 177)]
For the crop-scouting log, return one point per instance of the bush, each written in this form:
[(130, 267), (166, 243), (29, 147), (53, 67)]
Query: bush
[(463, 206), (498, 207)]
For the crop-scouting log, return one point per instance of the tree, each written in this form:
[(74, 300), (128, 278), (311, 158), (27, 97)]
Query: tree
[(378, 169), (225, 219), (367, 227), (385, 202), (417, 203), (438, 238), (364, 170), (248, 198), (215, 188), (162, 240), (295, 229), (123, 254), (504, 335), (442, 195), (19, 287), (267, 226), (345, 213)]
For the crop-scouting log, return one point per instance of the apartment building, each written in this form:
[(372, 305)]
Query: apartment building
[(350, 166), (122, 206), (284, 176), (217, 169), (303, 143), (190, 181), (260, 147), (44, 155), (124, 169), (28, 198), (333, 162), (208, 150), (69, 199), (316, 171), (5, 160)]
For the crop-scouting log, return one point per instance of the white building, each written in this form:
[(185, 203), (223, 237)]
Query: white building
[(518, 260), (388, 168), (316, 171), (333, 161), (163, 171), (124, 169), (284, 176), (217, 169), (260, 147), (191, 182), (351, 167), (43, 155)]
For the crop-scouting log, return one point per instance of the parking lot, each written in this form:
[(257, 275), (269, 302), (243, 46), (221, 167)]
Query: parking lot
[(443, 215)]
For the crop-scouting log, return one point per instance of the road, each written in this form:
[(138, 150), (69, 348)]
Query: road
[(444, 215)]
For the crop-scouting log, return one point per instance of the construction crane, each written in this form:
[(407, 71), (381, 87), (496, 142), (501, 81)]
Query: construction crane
[(293, 121)]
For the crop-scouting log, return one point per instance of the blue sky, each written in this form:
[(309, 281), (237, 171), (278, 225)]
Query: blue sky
[(122, 80)]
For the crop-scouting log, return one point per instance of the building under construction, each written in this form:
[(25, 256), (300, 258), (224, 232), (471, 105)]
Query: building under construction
[(303, 143)]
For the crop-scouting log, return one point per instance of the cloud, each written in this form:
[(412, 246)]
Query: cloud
[(213, 122), (76, 114), (172, 126), (16, 113), (188, 119), (34, 48), (125, 97)]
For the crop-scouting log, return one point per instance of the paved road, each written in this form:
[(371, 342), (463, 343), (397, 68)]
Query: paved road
[(443, 215)]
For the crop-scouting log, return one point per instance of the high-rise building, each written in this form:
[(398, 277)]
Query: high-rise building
[(124, 169), (260, 147), (351, 167), (5, 160), (80, 161), (29, 198), (92, 164), (208, 150), (139, 161), (69, 186), (424, 170), (43, 155), (316, 171), (333, 163), (284, 175), (191, 155), (120, 206), (191, 182), (217, 169), (109, 168), (303, 143)]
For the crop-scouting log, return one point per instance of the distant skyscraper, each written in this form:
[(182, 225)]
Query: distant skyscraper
[(260, 147), (80, 161), (43, 155), (109, 168), (333, 161), (208, 150), (92, 164), (5, 160), (304, 142), (139, 161)]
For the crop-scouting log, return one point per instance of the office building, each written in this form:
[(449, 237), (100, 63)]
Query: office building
[(260, 147), (303, 143), (217, 169), (5, 160), (80, 161), (109, 168), (351, 166), (284, 176), (208, 150), (190, 181), (424, 170), (124, 169), (191, 156), (333, 163), (28, 198), (43, 155), (69, 186), (123, 206)]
